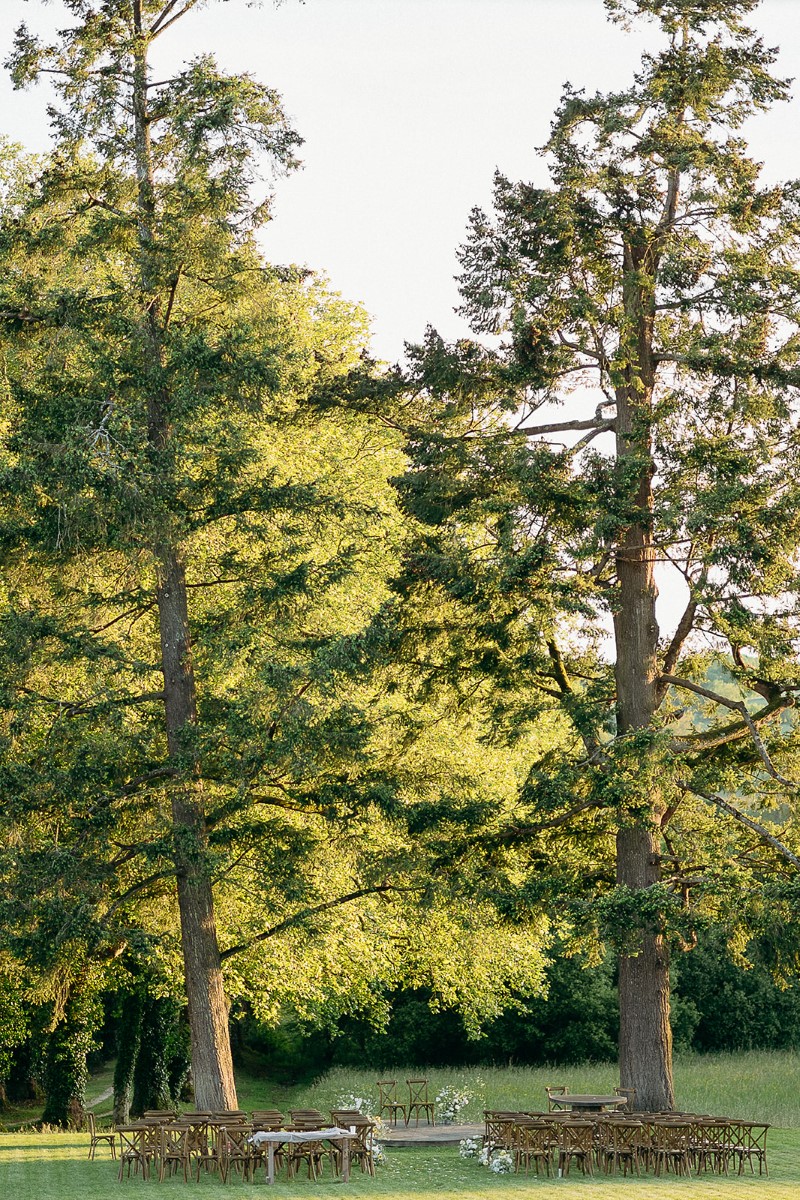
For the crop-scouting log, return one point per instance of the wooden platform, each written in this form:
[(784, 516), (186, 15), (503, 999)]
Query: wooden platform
[(431, 1135)]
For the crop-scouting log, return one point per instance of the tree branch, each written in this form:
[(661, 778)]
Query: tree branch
[(172, 292), (517, 832), (743, 819), (595, 423), (160, 23), (676, 645), (379, 889), (740, 707), (77, 707), (129, 612)]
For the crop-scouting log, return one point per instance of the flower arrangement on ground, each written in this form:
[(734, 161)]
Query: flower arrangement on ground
[(449, 1103), (502, 1163)]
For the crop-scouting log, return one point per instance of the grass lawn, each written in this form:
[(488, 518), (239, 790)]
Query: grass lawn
[(759, 1086), (54, 1167)]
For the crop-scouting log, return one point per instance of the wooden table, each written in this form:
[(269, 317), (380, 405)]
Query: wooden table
[(274, 1137), (589, 1104)]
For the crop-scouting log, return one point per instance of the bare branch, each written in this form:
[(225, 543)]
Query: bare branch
[(743, 819), (77, 707), (129, 612), (740, 707), (138, 781), (137, 887), (595, 423), (272, 728), (172, 292), (670, 202), (589, 437), (515, 833), (161, 22), (672, 655), (675, 681), (569, 345)]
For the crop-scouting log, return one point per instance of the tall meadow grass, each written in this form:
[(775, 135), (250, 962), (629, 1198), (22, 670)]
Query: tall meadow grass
[(757, 1085)]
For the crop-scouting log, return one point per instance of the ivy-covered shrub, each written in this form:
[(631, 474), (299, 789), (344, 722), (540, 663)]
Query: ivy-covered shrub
[(162, 1061), (64, 1070)]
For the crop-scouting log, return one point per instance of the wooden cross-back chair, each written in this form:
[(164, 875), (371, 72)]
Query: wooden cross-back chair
[(576, 1141), (750, 1145), (235, 1151), (388, 1104), (533, 1143), (418, 1101), (620, 1144), (312, 1152), (173, 1150), (671, 1146), (98, 1139), (553, 1096), (498, 1129), (138, 1147), (361, 1145)]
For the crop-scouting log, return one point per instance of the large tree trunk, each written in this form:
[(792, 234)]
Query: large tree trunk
[(212, 1064), (645, 1046), (645, 1036)]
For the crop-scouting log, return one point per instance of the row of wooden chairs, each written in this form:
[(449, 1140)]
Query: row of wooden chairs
[(222, 1142), (661, 1142)]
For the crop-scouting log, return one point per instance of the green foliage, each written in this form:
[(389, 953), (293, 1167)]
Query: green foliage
[(162, 1059), (656, 279), (14, 1020), (164, 387)]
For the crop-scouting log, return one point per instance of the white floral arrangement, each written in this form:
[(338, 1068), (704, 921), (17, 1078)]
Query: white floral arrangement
[(483, 1157), (468, 1148), (502, 1163), (363, 1104), (449, 1103), (379, 1156)]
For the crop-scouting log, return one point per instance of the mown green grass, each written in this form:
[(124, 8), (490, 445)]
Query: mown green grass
[(759, 1086), (54, 1167)]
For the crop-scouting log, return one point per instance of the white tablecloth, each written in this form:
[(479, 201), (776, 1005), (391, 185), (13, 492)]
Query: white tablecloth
[(276, 1137)]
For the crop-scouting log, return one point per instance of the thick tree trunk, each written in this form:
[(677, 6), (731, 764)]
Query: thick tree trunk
[(212, 1064), (645, 1036), (645, 1047)]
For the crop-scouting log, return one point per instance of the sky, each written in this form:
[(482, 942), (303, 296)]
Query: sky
[(407, 108)]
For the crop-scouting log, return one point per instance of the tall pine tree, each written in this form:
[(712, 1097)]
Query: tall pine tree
[(150, 183), (654, 282)]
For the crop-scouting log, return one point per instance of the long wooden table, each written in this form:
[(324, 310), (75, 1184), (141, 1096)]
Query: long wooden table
[(275, 1137)]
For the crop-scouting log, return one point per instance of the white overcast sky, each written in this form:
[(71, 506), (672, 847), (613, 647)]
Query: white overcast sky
[(407, 107)]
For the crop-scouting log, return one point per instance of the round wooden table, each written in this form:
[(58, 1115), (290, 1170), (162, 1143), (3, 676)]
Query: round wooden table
[(589, 1104)]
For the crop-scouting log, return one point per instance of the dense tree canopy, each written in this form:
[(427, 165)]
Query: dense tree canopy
[(191, 553), (654, 283)]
